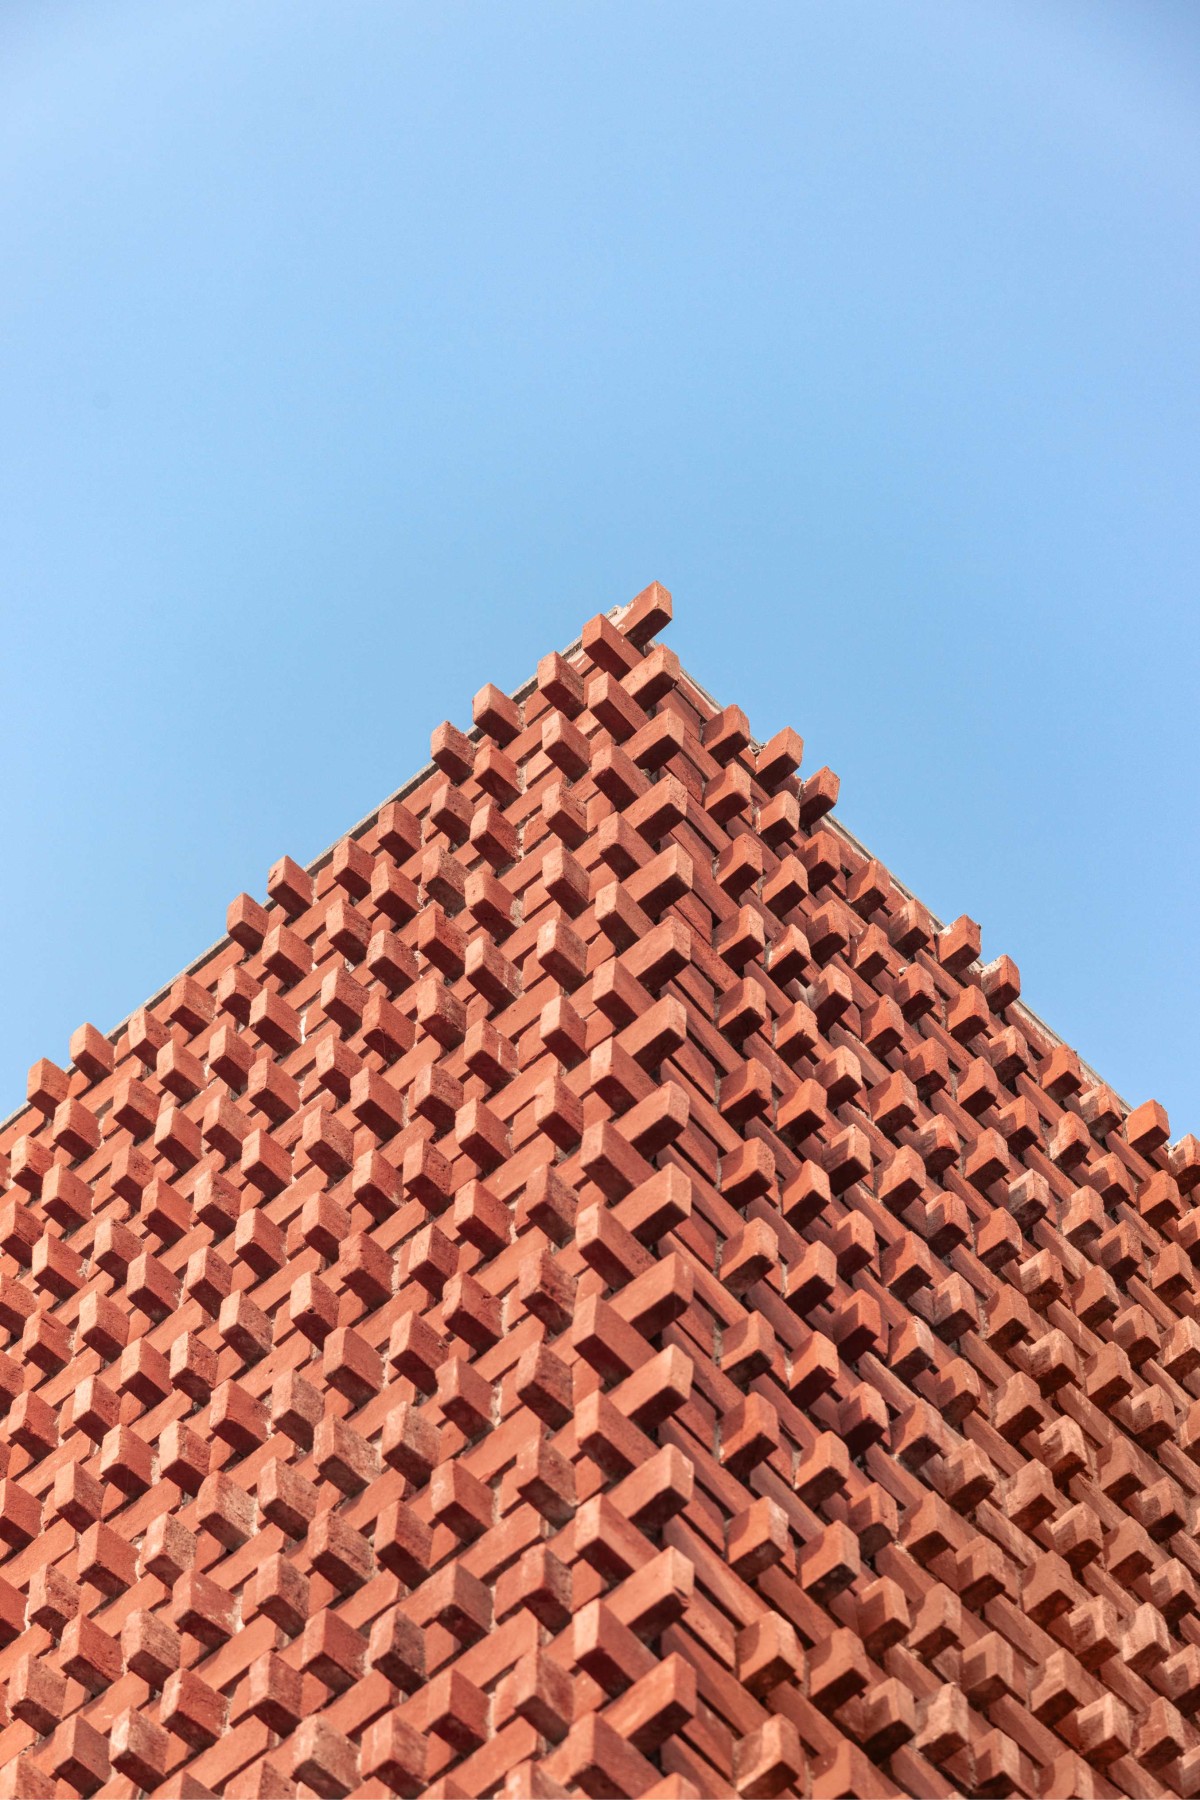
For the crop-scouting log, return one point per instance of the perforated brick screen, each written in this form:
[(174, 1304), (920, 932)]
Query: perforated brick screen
[(594, 1291)]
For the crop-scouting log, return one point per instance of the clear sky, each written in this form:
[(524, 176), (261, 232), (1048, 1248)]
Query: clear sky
[(354, 354)]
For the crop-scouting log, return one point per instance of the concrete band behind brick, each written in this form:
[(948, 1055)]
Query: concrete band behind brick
[(592, 1290)]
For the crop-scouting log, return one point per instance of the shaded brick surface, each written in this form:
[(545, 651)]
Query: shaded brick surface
[(592, 1290)]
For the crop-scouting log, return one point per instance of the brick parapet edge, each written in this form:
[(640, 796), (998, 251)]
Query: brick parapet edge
[(592, 1289)]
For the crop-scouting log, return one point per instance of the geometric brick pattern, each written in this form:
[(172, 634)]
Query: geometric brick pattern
[(591, 1289)]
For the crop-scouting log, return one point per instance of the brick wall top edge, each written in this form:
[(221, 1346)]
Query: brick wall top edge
[(1021, 1009)]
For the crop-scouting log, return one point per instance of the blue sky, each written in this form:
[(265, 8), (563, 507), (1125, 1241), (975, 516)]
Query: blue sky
[(352, 356)]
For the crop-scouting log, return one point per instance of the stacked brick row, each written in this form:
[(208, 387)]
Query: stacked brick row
[(593, 1291)]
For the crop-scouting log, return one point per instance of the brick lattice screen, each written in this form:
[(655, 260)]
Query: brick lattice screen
[(592, 1290)]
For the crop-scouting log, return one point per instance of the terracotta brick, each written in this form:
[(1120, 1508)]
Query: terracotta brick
[(604, 1648), (457, 1711), (351, 1365), (394, 1753), (202, 1608), (471, 1313), (340, 1553), (126, 1461), (168, 1550), (279, 1590), (367, 1269), (313, 1308), (543, 1584), (92, 1053), (150, 1647), (333, 1651), (37, 1694), (397, 1649), (768, 1653), (138, 1748), (769, 1760), (225, 1510), (343, 1457), (324, 1759), (20, 1515), (377, 1105), (78, 1754), (89, 1654), (416, 1351), (542, 1692), (55, 1267), (543, 1478), (52, 1601), (46, 1343)]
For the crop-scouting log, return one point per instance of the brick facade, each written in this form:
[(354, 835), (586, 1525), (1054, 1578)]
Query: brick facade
[(592, 1290)]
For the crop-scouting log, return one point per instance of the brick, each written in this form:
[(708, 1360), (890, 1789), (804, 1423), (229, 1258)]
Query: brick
[(756, 1539), (333, 1651), (236, 993), (471, 1313), (605, 1649), (37, 1694), (168, 1551), (416, 1351), (542, 1584), (126, 1461), (150, 1647), (92, 1053), (78, 1755), (343, 1457), (656, 1297), (829, 1563), (53, 1600), (542, 1693), (394, 1753), (279, 1590), (607, 1437), (767, 1652), (543, 1478), (656, 1596), (377, 1105), (351, 1365), (238, 1418), (89, 1654), (457, 1711), (313, 1308), (769, 1759), (403, 1543), (192, 1367), (598, 1759), (66, 1197), (204, 1609), (225, 1510), (546, 1290), (618, 777), (274, 1693), (46, 1343), (245, 1327), (490, 1055), (324, 1759), (549, 1204), (56, 1267), (33, 1425), (20, 1515), (138, 1748)]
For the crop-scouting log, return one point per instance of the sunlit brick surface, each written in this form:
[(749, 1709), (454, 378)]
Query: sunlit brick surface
[(593, 1291)]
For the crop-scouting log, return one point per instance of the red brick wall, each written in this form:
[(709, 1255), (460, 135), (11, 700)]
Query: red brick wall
[(594, 1291)]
